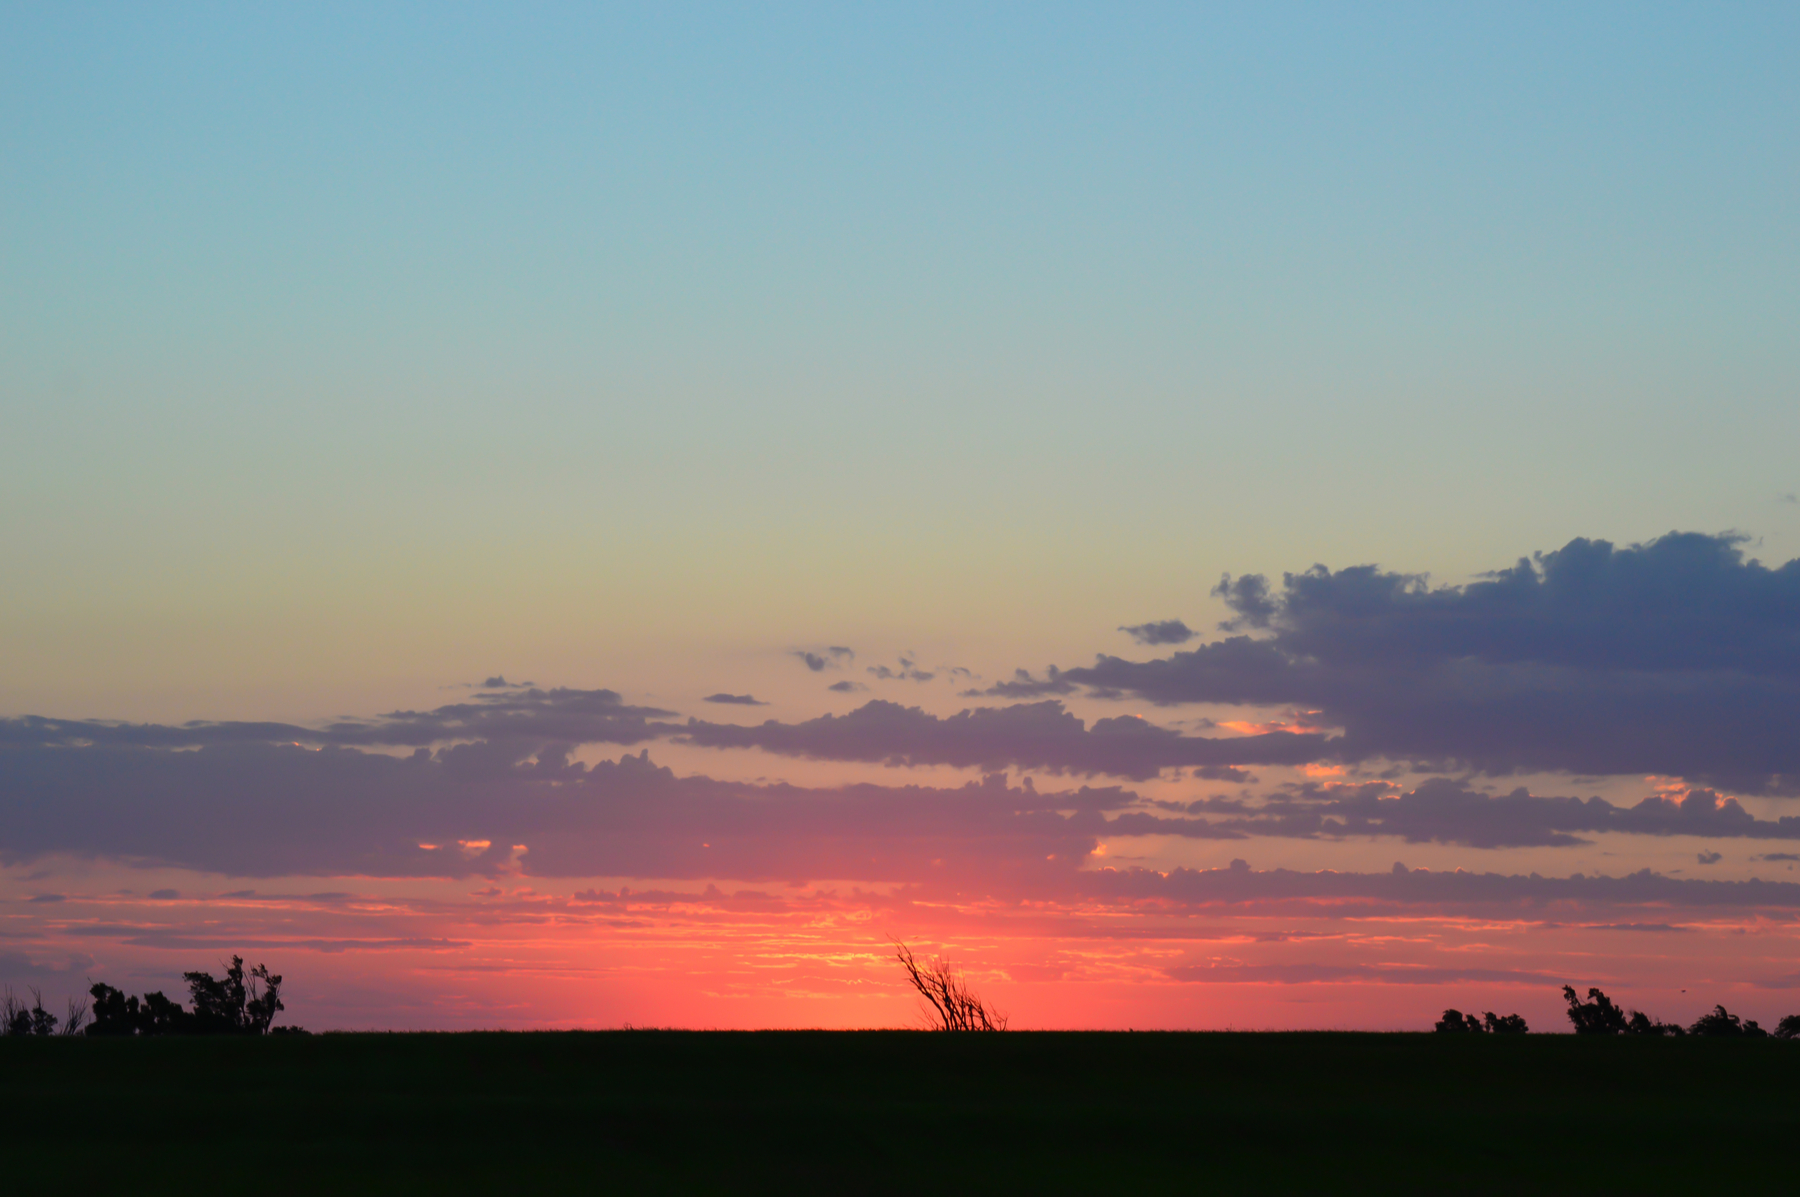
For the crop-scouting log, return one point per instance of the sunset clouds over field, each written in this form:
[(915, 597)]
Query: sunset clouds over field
[(580, 517)]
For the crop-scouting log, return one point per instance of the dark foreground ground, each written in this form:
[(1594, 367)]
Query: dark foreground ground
[(911, 1112)]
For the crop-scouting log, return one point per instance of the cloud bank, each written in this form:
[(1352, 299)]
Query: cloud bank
[(1675, 657)]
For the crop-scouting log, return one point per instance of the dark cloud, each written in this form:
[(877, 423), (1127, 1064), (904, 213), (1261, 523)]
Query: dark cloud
[(1223, 773), (831, 656), (489, 808), (1439, 892), (1168, 631), (1249, 597), (1024, 685), (1779, 856), (569, 716), (1675, 657), (1444, 811), (741, 700), (1387, 974), (261, 810), (1038, 735), (1710, 858), (846, 687), (906, 672)]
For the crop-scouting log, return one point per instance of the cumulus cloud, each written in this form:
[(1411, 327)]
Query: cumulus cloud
[(1167, 631), (1677, 657), (1038, 735)]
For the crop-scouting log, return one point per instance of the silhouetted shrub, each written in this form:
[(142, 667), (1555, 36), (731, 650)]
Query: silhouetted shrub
[(1596, 1016), (1455, 1022), (952, 1005), (1788, 1028)]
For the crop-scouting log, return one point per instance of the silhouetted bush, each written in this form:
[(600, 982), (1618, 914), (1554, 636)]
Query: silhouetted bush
[(1455, 1022), (1788, 1028), (1723, 1024), (1596, 1016), (1642, 1024), (952, 1005)]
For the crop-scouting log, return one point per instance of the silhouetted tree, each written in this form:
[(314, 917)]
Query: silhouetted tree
[(1721, 1023), (232, 1006), (1455, 1022), (1511, 1024), (1596, 1016), (953, 1006), (236, 1004), (114, 1013), (1788, 1028)]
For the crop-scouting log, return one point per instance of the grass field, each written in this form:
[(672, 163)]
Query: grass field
[(896, 1111)]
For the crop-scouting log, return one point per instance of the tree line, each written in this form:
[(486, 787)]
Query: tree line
[(1598, 1015), (239, 1003)]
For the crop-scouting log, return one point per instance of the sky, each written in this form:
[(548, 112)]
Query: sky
[(574, 515)]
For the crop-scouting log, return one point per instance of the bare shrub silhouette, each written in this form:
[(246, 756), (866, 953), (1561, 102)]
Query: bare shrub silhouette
[(16, 1018), (75, 1018), (952, 1006)]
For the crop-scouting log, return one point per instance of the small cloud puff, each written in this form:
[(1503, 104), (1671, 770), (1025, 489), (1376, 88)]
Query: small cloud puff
[(1167, 631), (741, 700)]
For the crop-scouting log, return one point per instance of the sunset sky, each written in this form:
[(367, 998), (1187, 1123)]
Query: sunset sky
[(574, 515)]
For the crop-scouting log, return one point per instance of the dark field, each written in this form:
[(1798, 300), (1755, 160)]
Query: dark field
[(793, 1112)]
